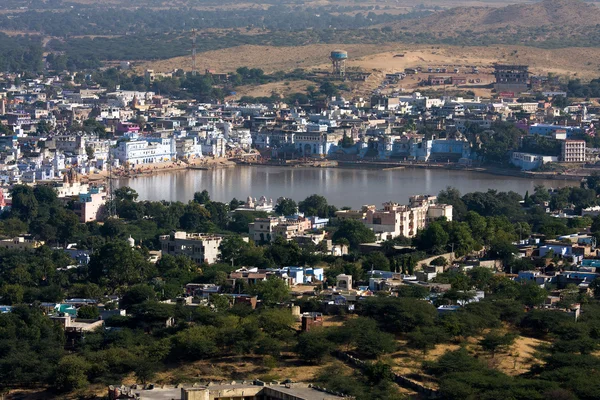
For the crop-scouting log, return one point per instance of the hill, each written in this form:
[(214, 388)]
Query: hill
[(567, 15)]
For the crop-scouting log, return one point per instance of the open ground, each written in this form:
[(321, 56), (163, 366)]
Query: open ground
[(583, 63)]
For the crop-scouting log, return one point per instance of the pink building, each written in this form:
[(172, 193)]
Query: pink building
[(90, 205), (127, 127)]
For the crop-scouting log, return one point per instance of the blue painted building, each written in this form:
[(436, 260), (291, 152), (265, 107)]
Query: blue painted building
[(548, 130)]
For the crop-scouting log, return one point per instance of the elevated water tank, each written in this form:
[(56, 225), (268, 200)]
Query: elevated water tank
[(339, 55)]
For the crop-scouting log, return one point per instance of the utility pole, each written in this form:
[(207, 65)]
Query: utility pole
[(112, 208)]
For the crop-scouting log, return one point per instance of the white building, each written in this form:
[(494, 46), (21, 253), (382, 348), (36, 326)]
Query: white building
[(202, 248), (145, 152), (573, 151)]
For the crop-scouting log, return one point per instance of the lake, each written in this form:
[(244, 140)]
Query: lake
[(341, 187)]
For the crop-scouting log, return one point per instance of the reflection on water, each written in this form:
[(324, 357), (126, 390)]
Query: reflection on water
[(341, 187)]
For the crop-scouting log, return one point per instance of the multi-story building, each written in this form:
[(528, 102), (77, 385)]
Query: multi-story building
[(262, 229), (146, 152), (549, 130), (70, 144), (573, 151), (405, 220), (26, 242), (71, 185), (202, 248), (90, 205), (511, 78), (267, 229)]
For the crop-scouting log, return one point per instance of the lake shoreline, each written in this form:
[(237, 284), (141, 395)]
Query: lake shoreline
[(387, 165), (342, 186)]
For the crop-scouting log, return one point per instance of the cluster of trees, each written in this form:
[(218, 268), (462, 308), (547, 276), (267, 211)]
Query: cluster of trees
[(576, 88), (124, 21), (495, 220), (20, 53), (32, 346), (461, 374)]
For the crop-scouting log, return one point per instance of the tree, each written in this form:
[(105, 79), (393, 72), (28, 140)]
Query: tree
[(376, 260), (233, 249), (425, 338), (531, 294), (89, 151), (196, 218), (144, 370), (365, 337), (595, 286), (314, 346), (88, 312), (202, 197), (235, 203), (12, 294), (277, 323), (316, 205), (43, 128), (439, 261), (452, 196), (398, 314), (286, 207), (137, 294), (117, 264), (433, 239), (328, 89), (195, 343), (24, 203), (71, 373), (495, 341), (271, 291), (125, 193), (355, 232), (13, 227)]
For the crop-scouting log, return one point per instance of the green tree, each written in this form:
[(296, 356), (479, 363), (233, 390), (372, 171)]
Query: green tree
[(452, 196), (125, 193), (144, 370), (316, 205), (88, 312), (117, 264), (13, 227), (328, 89), (196, 218), (595, 286), (137, 294), (286, 207), (271, 291), (71, 373), (495, 341), (24, 203), (314, 346), (433, 239), (202, 197), (354, 232), (195, 343), (376, 260), (12, 294)]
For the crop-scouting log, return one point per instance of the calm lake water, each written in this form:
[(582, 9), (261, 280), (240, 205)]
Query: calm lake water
[(341, 187)]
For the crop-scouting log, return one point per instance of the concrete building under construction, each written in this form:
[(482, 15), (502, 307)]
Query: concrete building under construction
[(511, 78)]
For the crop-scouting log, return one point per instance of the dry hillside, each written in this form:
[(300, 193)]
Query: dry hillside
[(268, 58), (585, 62), (561, 13)]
